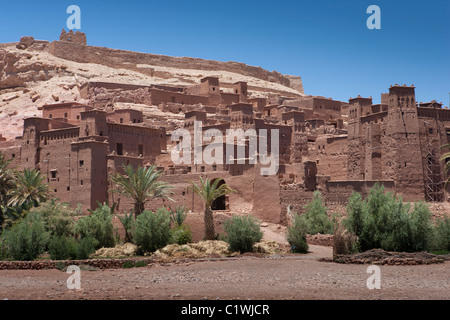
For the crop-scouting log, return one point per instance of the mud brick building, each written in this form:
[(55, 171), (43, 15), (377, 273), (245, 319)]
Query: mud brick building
[(77, 146), (332, 146)]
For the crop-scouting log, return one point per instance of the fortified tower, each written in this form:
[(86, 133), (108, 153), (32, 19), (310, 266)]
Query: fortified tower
[(358, 107), (403, 160)]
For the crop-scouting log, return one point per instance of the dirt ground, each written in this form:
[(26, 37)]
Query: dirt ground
[(275, 277), (249, 276)]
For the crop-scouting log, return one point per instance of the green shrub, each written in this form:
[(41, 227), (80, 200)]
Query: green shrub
[(58, 217), (242, 233), (128, 265), (355, 214), (316, 217), (181, 234), (296, 234), (62, 248), (28, 239), (99, 226), (152, 230), (4, 254), (441, 235), (85, 247), (385, 221), (67, 248), (140, 264), (421, 228)]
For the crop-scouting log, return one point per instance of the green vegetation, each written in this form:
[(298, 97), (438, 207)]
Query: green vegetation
[(181, 234), (19, 192), (68, 248), (128, 222), (441, 236), (178, 215), (27, 239), (62, 248), (242, 233), (152, 230), (97, 226), (141, 185), (316, 218), (58, 217), (296, 233), (385, 221), (31, 225)]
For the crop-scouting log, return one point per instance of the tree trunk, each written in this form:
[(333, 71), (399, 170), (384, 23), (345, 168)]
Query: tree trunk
[(138, 208), (209, 224)]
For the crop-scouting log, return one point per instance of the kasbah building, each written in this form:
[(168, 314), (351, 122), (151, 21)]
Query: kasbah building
[(327, 145)]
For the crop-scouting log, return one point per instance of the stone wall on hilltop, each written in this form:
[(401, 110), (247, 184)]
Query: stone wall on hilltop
[(132, 60)]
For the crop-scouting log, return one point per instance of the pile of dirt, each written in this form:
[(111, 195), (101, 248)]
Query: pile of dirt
[(123, 250), (381, 257)]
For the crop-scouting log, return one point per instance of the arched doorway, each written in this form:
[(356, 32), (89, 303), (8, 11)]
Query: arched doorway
[(219, 203)]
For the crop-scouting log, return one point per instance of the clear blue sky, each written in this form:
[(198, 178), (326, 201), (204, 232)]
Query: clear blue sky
[(327, 43)]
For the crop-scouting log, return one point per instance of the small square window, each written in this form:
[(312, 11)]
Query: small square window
[(81, 163)]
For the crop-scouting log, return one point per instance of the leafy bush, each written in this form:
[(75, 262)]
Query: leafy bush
[(4, 254), (242, 233), (385, 221), (140, 264), (441, 235), (421, 227), (85, 247), (28, 239), (181, 234), (152, 230), (58, 217), (99, 226), (296, 234), (62, 248), (316, 217), (128, 265)]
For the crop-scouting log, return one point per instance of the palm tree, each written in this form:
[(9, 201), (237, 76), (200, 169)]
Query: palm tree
[(209, 192), (6, 185), (29, 190), (141, 185), (6, 178)]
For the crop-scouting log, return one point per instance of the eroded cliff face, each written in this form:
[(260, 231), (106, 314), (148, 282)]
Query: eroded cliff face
[(150, 63), (36, 72)]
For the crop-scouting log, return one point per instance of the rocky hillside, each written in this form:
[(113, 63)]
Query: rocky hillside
[(34, 73)]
